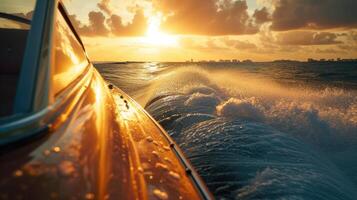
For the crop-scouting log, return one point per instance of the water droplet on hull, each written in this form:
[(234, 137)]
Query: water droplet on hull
[(46, 152), (149, 139), (56, 149), (174, 175), (160, 194), (89, 196), (18, 173)]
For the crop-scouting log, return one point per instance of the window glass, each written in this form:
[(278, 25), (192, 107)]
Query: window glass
[(15, 20), (11, 24), (70, 58), (21, 8)]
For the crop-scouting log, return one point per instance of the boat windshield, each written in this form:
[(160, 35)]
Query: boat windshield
[(15, 23)]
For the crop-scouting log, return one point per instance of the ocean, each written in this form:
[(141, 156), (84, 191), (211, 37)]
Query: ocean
[(279, 130)]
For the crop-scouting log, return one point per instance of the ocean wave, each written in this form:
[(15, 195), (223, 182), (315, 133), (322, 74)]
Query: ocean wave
[(300, 111), (249, 160), (240, 108), (253, 138), (251, 135)]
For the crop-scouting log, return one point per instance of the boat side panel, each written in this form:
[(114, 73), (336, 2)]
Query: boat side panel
[(102, 146), (76, 158)]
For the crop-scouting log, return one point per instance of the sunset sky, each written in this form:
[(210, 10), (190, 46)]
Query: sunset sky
[(178, 30)]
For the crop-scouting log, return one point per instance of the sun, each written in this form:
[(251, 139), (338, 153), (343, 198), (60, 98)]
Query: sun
[(155, 37)]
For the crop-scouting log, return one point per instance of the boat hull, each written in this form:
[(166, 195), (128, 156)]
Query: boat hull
[(102, 146)]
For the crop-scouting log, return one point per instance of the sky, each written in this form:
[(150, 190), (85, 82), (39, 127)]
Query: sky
[(180, 30)]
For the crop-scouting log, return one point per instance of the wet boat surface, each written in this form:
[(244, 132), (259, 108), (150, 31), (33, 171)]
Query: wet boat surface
[(103, 147)]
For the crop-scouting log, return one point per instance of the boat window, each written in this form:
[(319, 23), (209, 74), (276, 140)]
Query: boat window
[(70, 58), (15, 21)]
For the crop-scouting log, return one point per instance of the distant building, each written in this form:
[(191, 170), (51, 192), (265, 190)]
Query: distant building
[(247, 61), (332, 60), (349, 60)]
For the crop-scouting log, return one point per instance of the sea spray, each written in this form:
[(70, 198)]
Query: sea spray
[(255, 131)]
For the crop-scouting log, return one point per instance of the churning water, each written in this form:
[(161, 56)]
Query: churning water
[(256, 131)]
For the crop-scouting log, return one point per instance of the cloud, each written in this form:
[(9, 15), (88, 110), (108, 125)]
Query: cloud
[(211, 17), (261, 16), (137, 27), (315, 14), (277, 28), (190, 43), (352, 36), (99, 25), (200, 43), (348, 47), (214, 44), (328, 51), (105, 6), (96, 25), (75, 22), (240, 45), (307, 38), (107, 19)]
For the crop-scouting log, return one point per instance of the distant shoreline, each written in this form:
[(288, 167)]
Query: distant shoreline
[(231, 62)]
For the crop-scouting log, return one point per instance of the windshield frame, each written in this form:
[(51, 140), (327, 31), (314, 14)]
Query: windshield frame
[(36, 107), (33, 63), (15, 18)]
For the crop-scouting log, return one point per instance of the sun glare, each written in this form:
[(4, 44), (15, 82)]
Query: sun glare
[(154, 36)]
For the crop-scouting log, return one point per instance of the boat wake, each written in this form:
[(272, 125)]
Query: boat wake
[(250, 137)]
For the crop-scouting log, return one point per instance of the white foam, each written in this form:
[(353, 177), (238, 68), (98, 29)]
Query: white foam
[(241, 109), (200, 99)]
